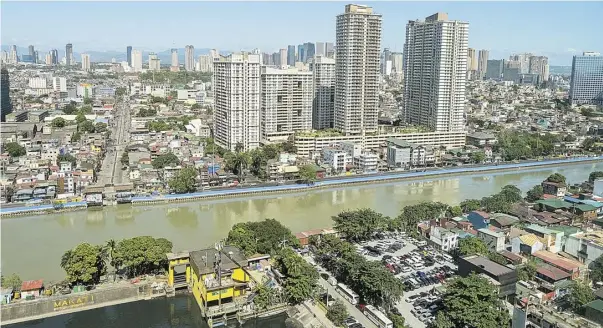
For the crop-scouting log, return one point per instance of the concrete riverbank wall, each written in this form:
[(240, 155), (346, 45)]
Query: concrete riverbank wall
[(56, 305)]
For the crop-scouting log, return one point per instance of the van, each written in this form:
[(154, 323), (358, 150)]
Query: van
[(332, 281)]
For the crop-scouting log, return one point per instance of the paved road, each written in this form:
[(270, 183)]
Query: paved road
[(352, 310), (111, 172)]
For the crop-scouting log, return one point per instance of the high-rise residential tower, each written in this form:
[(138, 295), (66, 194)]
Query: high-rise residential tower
[(321, 49), (13, 56), (32, 51), (85, 62), (495, 68), (586, 86), (189, 58), (55, 56), (154, 62), (471, 64), (282, 57), (137, 60), (323, 106), (129, 55), (435, 73), (286, 103), (206, 64), (48, 59), (236, 86), (540, 65), (175, 65), (5, 103), (68, 54), (358, 39), (291, 55), (397, 62), (482, 63)]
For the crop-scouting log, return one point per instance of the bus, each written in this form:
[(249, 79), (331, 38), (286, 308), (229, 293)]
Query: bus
[(377, 317), (347, 293)]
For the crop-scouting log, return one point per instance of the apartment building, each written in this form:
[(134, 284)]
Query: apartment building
[(403, 154), (323, 106)]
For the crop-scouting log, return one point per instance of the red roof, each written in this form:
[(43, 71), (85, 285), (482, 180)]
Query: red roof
[(547, 196), (558, 261), (552, 272), (32, 285)]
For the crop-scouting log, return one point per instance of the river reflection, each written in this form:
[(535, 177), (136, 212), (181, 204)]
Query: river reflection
[(198, 224)]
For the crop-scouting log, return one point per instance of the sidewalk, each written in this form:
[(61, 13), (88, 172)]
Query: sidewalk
[(319, 314)]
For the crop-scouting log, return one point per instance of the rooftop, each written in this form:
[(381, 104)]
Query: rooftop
[(558, 261), (539, 229), (529, 239), (595, 237), (491, 233), (489, 266), (32, 285), (503, 219), (552, 272), (203, 261)]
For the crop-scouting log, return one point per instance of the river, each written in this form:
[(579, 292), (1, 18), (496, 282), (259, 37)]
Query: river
[(178, 312), (32, 246)]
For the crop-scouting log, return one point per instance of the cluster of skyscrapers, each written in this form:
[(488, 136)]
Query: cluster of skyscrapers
[(51, 58), (519, 68), (256, 102)]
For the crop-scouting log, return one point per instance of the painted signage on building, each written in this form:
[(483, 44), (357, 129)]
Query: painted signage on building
[(73, 302)]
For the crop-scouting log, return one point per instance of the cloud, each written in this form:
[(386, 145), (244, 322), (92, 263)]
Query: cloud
[(572, 50)]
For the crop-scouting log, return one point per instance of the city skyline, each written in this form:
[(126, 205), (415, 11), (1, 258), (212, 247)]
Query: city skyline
[(553, 32)]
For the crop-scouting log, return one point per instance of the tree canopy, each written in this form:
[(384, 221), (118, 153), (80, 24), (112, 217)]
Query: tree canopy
[(86, 126), (413, 214), (66, 158), (596, 270), (307, 173), (12, 281), (556, 178), (594, 176), (580, 295), (361, 224), (301, 278), (520, 145), (141, 255), (472, 246), (470, 205), (472, 302), (337, 312), (58, 122), (535, 193), (14, 149), (84, 264), (527, 272), (164, 160), (185, 181), (265, 237)]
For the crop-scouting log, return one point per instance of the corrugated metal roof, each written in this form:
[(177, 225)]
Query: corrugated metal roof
[(529, 239)]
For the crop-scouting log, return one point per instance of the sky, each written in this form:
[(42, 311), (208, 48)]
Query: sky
[(558, 30)]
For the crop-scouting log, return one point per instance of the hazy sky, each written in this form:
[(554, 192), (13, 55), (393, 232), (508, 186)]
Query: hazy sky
[(556, 29)]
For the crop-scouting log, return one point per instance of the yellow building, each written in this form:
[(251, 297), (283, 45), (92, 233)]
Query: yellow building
[(179, 270), (219, 281)]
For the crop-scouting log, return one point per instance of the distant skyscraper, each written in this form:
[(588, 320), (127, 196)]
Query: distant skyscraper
[(189, 58), (330, 49), (291, 55), (540, 65), (286, 103), (5, 57), (586, 86), (435, 73), (358, 39), (495, 69), (85, 62), (129, 55), (397, 62), (48, 59), (154, 62), (237, 110), (14, 57), (310, 51), (5, 104), (175, 65), (283, 57), (137, 60), (36, 57), (214, 53), (482, 63), (320, 49), (68, 54), (385, 66), (31, 50), (206, 64), (59, 84), (523, 62), (301, 53), (471, 59), (323, 107), (55, 56)]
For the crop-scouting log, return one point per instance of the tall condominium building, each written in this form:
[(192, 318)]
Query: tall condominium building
[(540, 65), (236, 85), (586, 86), (397, 62), (214, 53), (189, 58), (175, 65), (5, 57), (301, 53), (5, 103), (310, 51), (291, 55), (330, 50), (471, 60), (68, 54), (323, 106), (137, 60), (206, 64), (55, 56), (286, 103), (358, 39), (482, 63), (48, 59), (282, 57), (13, 56), (494, 69), (36, 56), (59, 84), (320, 49), (129, 55), (523, 62), (85, 62), (31, 51), (435, 73), (154, 62)]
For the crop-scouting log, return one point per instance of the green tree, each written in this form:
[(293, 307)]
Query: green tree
[(589, 143), (580, 295), (265, 237), (77, 136), (80, 118), (87, 101), (478, 157), (527, 271), (164, 160), (337, 312), (472, 302), (70, 108), (14, 149), (497, 257), (534, 194), (511, 194), (496, 203), (110, 251), (84, 264), (472, 246), (13, 281), (455, 211), (121, 91), (556, 178), (361, 224), (301, 278), (596, 270), (289, 147), (142, 255), (185, 181), (470, 205), (264, 297), (195, 106), (307, 173), (237, 162), (158, 126), (58, 122), (413, 214), (594, 176), (397, 320), (66, 158), (86, 127), (125, 158), (100, 127)]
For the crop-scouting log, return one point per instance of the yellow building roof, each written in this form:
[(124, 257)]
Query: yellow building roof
[(529, 239)]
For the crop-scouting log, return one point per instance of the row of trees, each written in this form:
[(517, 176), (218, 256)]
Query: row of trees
[(516, 145), (264, 237), (86, 263)]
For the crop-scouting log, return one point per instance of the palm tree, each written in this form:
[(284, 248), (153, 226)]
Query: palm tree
[(66, 258), (109, 249), (237, 162)]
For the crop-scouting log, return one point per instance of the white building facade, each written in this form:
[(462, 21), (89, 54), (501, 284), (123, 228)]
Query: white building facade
[(323, 106)]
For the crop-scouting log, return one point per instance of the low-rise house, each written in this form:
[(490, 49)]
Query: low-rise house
[(504, 277), (553, 281), (32, 288), (526, 244), (443, 239), (479, 219), (572, 267), (554, 188), (403, 154), (494, 240), (550, 238), (481, 139), (585, 246), (503, 221)]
